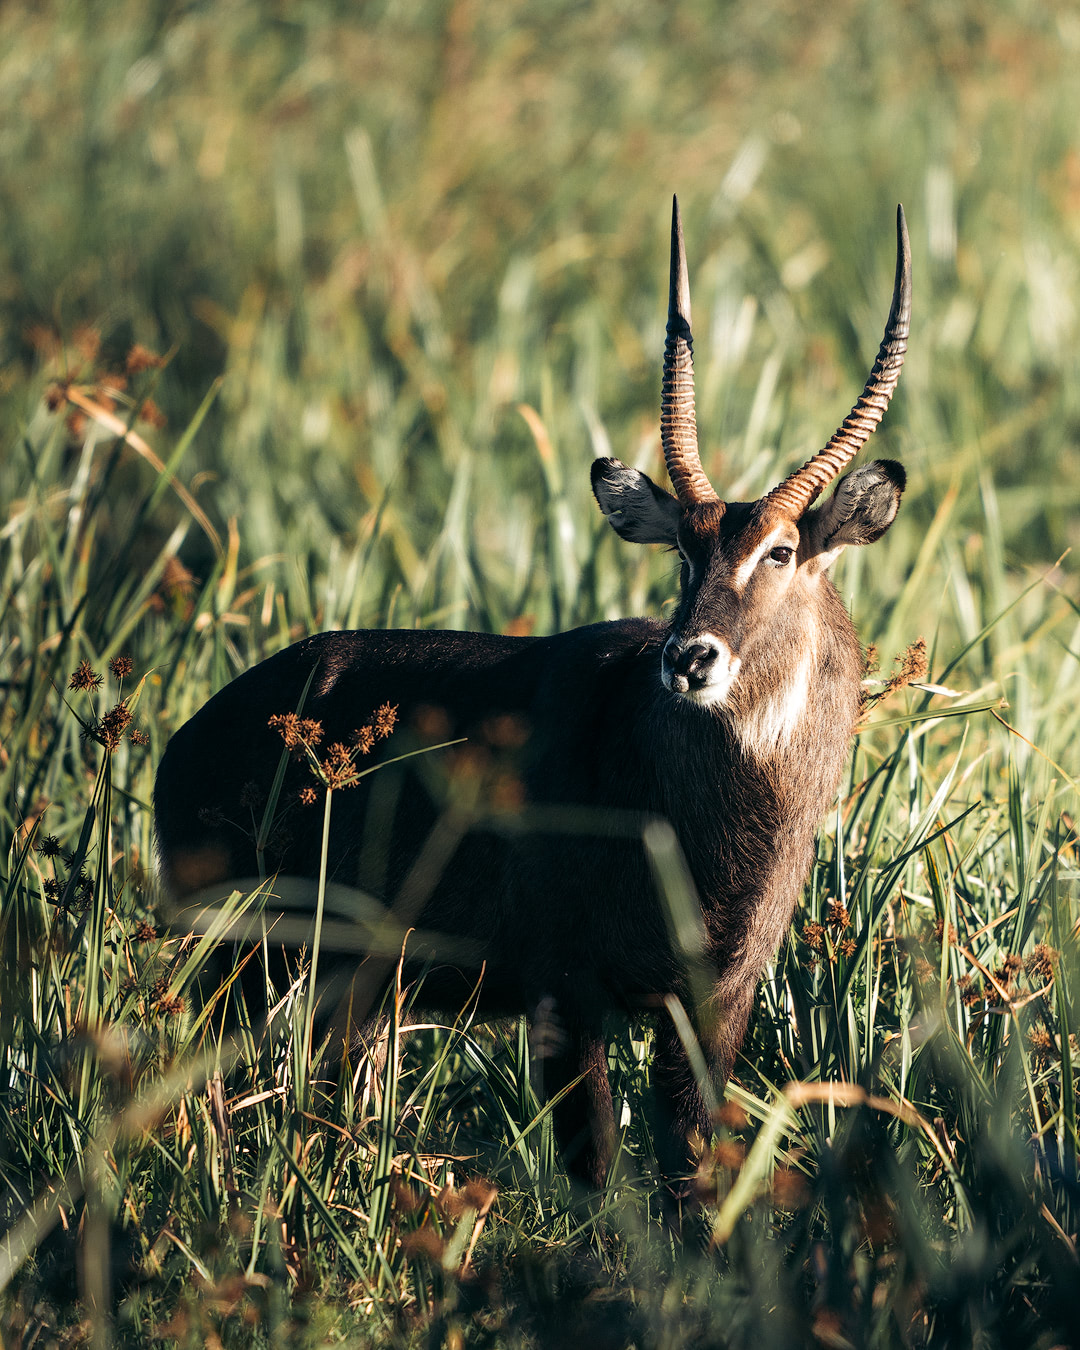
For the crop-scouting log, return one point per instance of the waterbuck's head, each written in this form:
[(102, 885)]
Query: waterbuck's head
[(754, 594)]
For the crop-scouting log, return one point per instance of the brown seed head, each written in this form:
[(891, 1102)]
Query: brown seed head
[(911, 666), (813, 934), (838, 916), (85, 677), (110, 730), (252, 797), (152, 415), (384, 719), (364, 739), (423, 1242), (733, 1116), (971, 991), (48, 846), (121, 667), (297, 731), (141, 358), (730, 1154), (1042, 961)]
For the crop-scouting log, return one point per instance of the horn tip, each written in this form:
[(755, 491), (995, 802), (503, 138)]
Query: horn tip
[(679, 292), (903, 243)]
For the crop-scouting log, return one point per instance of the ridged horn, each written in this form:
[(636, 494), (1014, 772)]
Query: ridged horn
[(799, 492), (678, 423)]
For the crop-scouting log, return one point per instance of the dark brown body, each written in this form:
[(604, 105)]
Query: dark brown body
[(562, 912)]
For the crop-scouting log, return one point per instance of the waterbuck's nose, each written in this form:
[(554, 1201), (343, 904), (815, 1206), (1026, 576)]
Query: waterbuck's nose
[(690, 666)]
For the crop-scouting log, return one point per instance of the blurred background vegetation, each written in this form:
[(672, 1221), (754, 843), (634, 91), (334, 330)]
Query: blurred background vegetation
[(363, 235), (386, 225)]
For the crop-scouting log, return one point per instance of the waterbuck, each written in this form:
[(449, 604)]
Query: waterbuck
[(731, 722)]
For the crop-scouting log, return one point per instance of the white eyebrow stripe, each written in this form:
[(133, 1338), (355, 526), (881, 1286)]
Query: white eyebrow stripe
[(745, 570)]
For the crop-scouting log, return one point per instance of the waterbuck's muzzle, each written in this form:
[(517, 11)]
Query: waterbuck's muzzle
[(702, 668)]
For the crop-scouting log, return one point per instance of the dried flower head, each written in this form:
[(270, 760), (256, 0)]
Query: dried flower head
[(479, 1194), (733, 1116), (337, 767), (144, 931), (910, 666), (176, 579), (85, 677), (971, 991), (847, 948), (296, 731), (871, 660), (364, 739), (1042, 961), (813, 934), (252, 797), (308, 796), (152, 415), (1042, 1043), (139, 737), (838, 917), (338, 755), (730, 1154), (423, 1242), (48, 846), (121, 667), (384, 719), (110, 729), (1011, 966), (141, 358), (107, 386)]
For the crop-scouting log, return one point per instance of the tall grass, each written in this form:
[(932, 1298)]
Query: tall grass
[(406, 273)]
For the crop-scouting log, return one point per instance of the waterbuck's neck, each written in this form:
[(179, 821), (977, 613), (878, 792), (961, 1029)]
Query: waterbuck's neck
[(770, 759)]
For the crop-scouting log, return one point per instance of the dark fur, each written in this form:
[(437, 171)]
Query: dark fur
[(563, 913)]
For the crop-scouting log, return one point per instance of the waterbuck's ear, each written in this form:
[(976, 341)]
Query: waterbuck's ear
[(861, 509), (636, 508)]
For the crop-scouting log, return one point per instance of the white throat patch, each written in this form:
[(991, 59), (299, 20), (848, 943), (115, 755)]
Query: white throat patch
[(771, 724)]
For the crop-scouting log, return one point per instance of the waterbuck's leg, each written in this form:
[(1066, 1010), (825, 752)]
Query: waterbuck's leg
[(680, 1107), (584, 1120)]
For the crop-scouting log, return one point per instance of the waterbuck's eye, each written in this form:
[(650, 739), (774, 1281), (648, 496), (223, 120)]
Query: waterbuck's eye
[(780, 557)]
